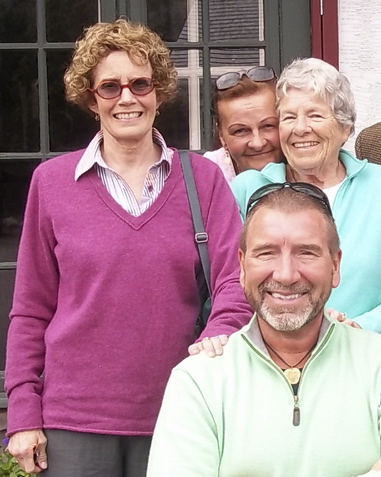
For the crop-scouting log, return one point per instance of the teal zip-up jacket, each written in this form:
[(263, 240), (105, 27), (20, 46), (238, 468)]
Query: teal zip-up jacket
[(357, 212), (234, 415)]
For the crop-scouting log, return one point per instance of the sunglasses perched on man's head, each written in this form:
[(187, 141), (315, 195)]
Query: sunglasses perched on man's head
[(257, 73), (111, 89), (303, 187)]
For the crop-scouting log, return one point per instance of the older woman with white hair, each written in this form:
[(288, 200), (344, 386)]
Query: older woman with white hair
[(316, 116)]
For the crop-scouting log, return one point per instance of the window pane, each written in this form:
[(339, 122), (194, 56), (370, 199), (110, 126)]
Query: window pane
[(65, 20), (70, 127), (173, 122), (181, 58), (18, 21), (14, 184), (180, 119), (233, 22), (173, 20), (205, 102), (228, 59), (19, 112), (7, 278)]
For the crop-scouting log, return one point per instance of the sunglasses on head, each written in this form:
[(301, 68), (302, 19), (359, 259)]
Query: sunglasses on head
[(111, 89), (302, 187), (257, 73)]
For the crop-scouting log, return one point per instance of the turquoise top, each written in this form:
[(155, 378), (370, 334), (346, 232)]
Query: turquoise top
[(357, 212)]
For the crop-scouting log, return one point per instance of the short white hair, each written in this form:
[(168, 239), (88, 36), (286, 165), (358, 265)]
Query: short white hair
[(313, 74)]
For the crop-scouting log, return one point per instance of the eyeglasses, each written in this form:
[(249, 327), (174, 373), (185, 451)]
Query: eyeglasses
[(257, 73), (303, 187), (111, 89)]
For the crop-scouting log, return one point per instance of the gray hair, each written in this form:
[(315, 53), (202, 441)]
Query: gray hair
[(325, 81), (289, 201)]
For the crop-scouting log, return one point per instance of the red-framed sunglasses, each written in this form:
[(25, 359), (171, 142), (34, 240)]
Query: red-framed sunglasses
[(111, 89)]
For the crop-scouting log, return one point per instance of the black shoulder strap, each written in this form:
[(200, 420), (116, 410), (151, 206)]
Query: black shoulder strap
[(201, 237)]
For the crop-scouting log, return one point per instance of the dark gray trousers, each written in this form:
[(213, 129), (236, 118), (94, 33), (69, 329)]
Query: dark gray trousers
[(77, 454)]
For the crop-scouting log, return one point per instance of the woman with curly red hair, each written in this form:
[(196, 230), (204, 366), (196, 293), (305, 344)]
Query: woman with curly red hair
[(108, 279)]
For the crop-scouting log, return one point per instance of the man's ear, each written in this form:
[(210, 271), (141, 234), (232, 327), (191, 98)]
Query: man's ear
[(241, 258), (336, 260)]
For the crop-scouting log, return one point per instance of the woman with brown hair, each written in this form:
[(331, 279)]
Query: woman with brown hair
[(246, 121)]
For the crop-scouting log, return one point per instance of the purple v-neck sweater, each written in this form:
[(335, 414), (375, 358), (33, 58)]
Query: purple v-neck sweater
[(105, 303)]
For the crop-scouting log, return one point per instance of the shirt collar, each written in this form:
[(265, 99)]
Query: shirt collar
[(92, 154), (252, 331)]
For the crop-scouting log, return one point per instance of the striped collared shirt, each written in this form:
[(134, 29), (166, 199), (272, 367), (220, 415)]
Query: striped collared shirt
[(116, 186)]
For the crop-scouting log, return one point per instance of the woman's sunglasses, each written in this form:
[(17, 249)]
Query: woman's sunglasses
[(303, 187), (257, 73), (111, 89)]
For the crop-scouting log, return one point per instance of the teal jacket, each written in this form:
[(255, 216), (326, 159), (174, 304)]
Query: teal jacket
[(232, 416), (357, 212)]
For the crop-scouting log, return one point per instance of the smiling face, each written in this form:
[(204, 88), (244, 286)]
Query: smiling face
[(248, 128), (310, 135), (287, 271), (128, 117)]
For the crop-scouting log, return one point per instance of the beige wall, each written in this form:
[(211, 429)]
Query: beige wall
[(360, 57)]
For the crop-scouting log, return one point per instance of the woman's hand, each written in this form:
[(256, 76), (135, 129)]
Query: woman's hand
[(212, 346), (342, 317), (29, 448)]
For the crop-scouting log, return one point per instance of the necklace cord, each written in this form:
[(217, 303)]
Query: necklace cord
[(285, 362)]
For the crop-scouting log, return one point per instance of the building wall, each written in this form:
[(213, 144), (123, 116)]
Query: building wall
[(360, 58)]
